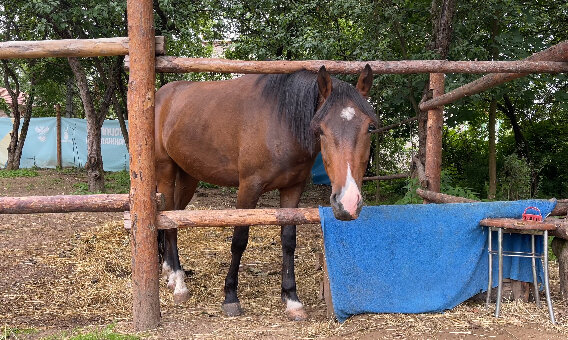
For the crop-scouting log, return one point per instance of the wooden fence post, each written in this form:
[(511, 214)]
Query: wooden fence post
[(141, 88), (433, 166)]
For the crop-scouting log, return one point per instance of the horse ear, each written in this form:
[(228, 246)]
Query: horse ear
[(365, 81), (324, 83)]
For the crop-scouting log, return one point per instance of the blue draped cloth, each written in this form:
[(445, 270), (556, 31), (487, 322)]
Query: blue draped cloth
[(418, 258)]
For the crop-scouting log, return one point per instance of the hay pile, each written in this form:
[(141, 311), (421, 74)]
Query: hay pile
[(94, 288)]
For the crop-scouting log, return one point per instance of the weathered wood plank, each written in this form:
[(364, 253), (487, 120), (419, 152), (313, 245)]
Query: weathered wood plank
[(170, 64), (71, 48), (70, 203), (233, 217), (556, 53), (436, 197), (516, 224)]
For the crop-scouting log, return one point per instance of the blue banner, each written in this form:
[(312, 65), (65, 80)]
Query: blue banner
[(40, 148)]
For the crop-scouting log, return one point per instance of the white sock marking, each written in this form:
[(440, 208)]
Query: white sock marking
[(293, 305), (348, 113), (166, 270), (178, 278)]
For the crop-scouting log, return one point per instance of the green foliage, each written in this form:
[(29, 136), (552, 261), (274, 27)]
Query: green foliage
[(342, 30), (515, 179), (450, 185), (447, 186), (206, 185), (410, 196), (465, 156), (18, 173)]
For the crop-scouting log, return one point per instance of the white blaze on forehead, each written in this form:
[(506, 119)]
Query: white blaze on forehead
[(348, 113), (350, 195)]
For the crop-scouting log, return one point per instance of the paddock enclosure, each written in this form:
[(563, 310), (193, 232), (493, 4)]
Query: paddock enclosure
[(142, 49)]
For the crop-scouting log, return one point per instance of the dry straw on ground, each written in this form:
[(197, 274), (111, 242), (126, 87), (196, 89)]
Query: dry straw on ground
[(98, 289)]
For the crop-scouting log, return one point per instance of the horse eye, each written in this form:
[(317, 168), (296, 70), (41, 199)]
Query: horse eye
[(371, 128)]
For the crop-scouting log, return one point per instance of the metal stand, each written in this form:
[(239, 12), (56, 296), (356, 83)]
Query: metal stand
[(532, 254)]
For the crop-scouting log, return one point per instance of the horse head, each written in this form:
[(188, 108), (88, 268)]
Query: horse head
[(344, 122)]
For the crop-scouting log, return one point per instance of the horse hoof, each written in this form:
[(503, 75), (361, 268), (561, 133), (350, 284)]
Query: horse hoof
[(181, 297), (232, 309), (297, 314), (171, 285)]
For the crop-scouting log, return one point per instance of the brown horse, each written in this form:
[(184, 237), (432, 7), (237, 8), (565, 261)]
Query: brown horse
[(260, 133)]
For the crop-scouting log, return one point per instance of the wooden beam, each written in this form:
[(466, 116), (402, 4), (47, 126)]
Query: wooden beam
[(70, 203), (387, 177), (561, 208), (433, 165), (144, 234), (170, 64), (233, 217), (556, 53), (436, 197), (386, 128), (560, 249), (71, 48)]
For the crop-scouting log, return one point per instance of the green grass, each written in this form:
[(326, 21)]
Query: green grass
[(18, 173), (106, 333), (115, 183), (13, 333)]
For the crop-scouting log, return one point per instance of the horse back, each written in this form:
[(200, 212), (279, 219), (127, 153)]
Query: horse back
[(221, 131)]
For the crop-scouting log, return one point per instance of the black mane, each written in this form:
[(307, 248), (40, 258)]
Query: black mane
[(296, 98)]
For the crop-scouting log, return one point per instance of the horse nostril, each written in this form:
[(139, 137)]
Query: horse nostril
[(333, 198)]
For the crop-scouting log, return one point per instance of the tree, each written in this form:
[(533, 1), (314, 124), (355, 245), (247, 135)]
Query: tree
[(12, 74)]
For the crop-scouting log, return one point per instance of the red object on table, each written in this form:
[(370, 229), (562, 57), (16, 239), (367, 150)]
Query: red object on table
[(532, 217)]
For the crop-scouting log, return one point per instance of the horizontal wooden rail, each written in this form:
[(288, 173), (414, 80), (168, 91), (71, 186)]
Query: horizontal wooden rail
[(387, 177), (169, 64), (70, 48), (556, 53), (234, 217), (386, 128), (70, 203)]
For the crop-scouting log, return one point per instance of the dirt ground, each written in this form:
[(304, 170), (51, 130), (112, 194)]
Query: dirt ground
[(63, 274)]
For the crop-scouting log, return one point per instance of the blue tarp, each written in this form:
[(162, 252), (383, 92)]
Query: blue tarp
[(319, 175), (40, 147), (418, 258)]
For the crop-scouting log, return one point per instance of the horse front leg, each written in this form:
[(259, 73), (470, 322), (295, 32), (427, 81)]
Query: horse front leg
[(289, 198), (247, 198)]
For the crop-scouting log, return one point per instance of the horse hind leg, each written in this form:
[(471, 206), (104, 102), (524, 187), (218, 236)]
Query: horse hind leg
[(247, 198), (289, 198), (185, 186)]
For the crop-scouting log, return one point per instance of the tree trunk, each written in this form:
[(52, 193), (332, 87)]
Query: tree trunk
[(520, 142), (69, 112), (94, 166), (492, 151), (17, 138), (492, 117), (442, 13), (26, 123), (121, 113)]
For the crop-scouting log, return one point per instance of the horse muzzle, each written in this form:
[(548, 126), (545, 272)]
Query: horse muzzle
[(346, 210)]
